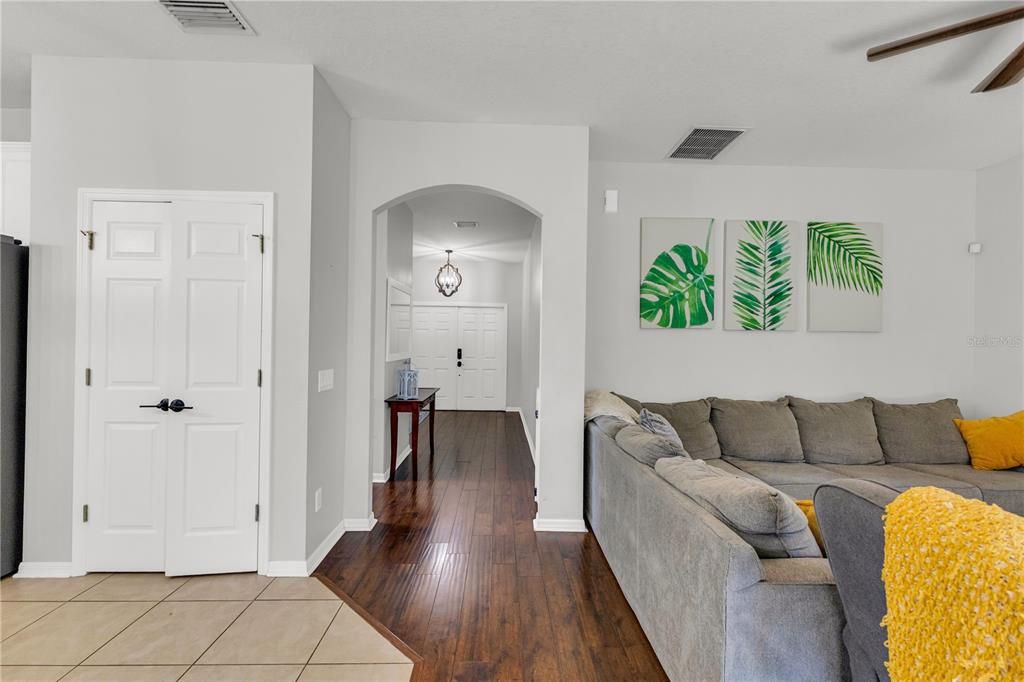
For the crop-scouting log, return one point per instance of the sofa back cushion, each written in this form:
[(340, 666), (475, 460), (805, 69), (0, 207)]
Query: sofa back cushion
[(759, 430), (922, 433), (691, 419), (646, 447), (837, 433), (766, 519)]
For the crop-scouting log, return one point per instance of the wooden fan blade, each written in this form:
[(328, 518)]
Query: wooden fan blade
[(1009, 72), (945, 33)]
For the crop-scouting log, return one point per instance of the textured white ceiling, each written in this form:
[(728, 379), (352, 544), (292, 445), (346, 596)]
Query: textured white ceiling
[(503, 231), (639, 74)]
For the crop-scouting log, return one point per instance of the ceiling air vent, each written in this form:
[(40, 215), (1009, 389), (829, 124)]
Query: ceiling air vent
[(208, 16), (705, 143), (465, 224)]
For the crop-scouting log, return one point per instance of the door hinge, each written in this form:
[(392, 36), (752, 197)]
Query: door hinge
[(88, 376), (256, 516), (261, 238), (259, 378), (536, 414), (85, 513), (91, 236)]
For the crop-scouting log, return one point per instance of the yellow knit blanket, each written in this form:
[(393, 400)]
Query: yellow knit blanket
[(954, 588)]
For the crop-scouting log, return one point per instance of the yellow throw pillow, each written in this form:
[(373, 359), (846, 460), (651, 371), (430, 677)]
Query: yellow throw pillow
[(807, 507), (994, 443)]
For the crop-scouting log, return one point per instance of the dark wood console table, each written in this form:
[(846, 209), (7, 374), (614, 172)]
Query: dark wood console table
[(413, 406)]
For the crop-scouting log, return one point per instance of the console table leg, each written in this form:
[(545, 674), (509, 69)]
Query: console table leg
[(414, 442), (394, 443)]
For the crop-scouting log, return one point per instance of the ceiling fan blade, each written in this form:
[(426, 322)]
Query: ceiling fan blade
[(1009, 72), (945, 33)]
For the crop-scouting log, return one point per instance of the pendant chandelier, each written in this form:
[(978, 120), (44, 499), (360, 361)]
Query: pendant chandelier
[(448, 278)]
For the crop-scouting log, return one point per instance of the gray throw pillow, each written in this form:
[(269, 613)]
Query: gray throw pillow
[(765, 518), (922, 433), (837, 433), (691, 420), (645, 447), (659, 426), (759, 430)]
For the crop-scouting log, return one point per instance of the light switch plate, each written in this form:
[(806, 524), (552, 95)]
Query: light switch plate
[(325, 380), (318, 499)]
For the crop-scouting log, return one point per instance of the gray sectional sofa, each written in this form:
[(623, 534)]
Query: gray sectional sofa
[(710, 606)]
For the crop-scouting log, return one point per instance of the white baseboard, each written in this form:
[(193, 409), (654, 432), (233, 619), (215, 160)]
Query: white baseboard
[(383, 478), (314, 559), (559, 526), (360, 524), (287, 569), (526, 430), (44, 569)]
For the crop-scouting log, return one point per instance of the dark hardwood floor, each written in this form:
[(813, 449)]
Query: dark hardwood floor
[(454, 569)]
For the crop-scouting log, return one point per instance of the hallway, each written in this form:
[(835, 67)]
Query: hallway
[(455, 570)]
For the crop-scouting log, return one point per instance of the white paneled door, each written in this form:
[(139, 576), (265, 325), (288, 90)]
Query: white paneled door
[(462, 350), (174, 401)]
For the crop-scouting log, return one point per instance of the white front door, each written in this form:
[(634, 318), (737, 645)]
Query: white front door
[(433, 351), (176, 301), (482, 365)]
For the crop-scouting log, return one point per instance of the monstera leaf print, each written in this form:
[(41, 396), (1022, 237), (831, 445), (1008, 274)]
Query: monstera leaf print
[(762, 288), (840, 255), (677, 291)]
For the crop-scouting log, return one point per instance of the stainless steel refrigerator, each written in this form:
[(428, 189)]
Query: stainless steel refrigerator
[(13, 333)]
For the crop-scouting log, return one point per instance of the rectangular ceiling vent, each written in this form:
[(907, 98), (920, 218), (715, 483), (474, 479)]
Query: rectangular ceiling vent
[(705, 143), (208, 16), (465, 224)]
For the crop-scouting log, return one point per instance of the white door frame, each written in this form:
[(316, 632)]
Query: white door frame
[(459, 304), (83, 312)]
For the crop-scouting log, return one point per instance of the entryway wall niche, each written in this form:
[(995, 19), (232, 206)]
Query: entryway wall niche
[(542, 168)]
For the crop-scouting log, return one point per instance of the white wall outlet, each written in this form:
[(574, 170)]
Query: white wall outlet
[(325, 380), (611, 201), (318, 499)]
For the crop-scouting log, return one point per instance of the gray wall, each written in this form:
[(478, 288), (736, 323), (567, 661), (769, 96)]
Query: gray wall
[(15, 125), (328, 308), (998, 340), (399, 267), (163, 125), (532, 286)]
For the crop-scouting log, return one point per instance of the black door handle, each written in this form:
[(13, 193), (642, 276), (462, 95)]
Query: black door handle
[(177, 405), (162, 405)]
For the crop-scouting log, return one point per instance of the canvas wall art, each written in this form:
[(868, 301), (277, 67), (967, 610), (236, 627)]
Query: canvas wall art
[(844, 277), (677, 288), (760, 289)]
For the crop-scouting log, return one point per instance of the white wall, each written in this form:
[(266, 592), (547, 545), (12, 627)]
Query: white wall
[(543, 167), (396, 226), (532, 287), (483, 281), (15, 186), (922, 353), (163, 125), (328, 311), (15, 125), (998, 342)]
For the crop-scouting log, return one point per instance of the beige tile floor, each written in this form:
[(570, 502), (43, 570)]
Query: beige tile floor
[(140, 627)]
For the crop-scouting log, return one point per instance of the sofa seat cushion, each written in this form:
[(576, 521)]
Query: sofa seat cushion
[(728, 468), (900, 478), (766, 519), (837, 433), (646, 447), (763, 430), (920, 434), (799, 480), (1003, 488), (692, 421)]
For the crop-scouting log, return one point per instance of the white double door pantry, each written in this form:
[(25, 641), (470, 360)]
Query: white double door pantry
[(173, 400), (463, 351)]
